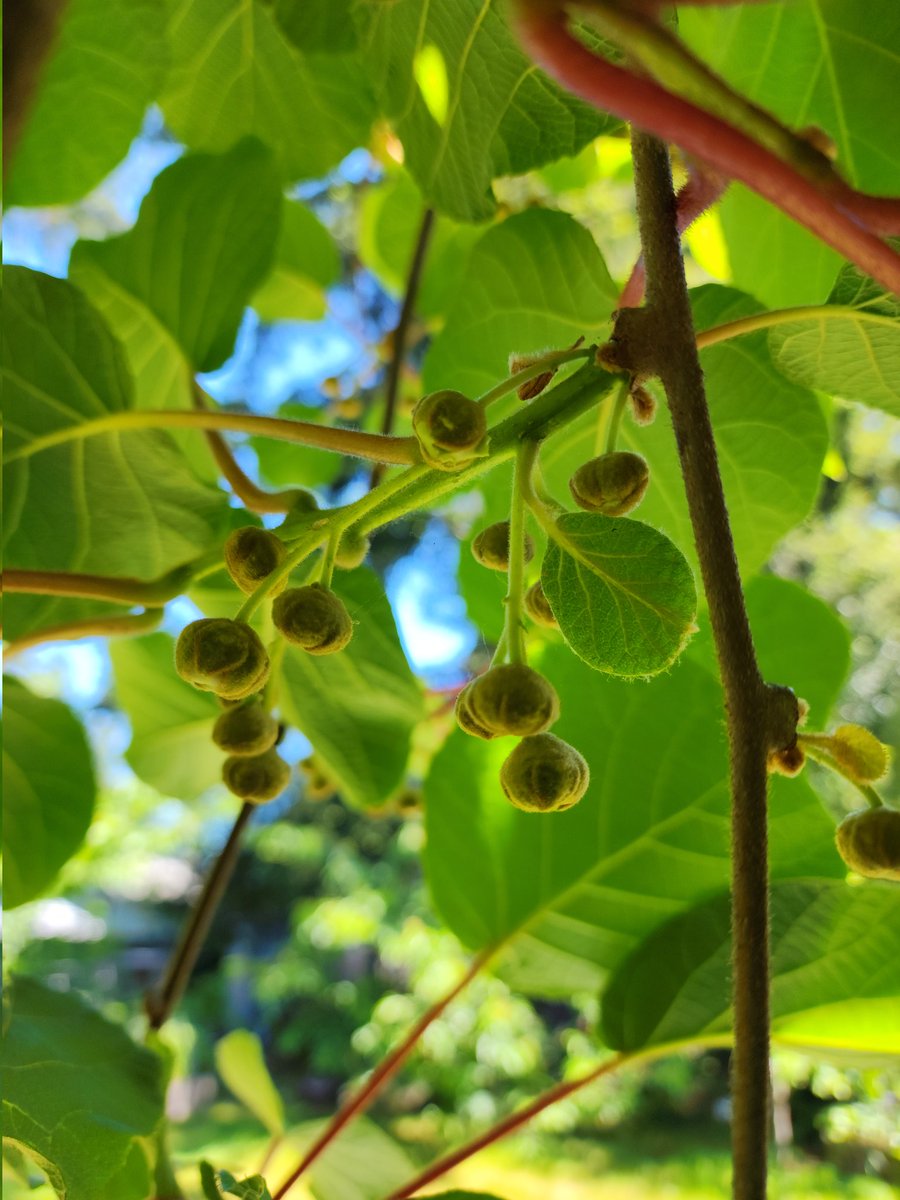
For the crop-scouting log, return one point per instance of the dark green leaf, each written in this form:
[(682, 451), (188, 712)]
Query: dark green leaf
[(358, 707), (219, 1184), (536, 280), (311, 109), (770, 434), (849, 347), (835, 972), (466, 102), (240, 1062), (204, 239), (49, 790), (78, 1095), (115, 503), (623, 594), (171, 722), (579, 889), (106, 65)]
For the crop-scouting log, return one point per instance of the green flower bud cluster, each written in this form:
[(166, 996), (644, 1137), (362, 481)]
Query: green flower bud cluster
[(451, 430), (491, 547), (544, 774), (251, 555), (222, 656), (314, 618), (612, 484), (508, 700)]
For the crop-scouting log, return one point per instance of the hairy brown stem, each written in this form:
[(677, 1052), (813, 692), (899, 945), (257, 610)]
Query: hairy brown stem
[(127, 625), (662, 335), (161, 1001), (514, 1121), (116, 589), (385, 1070), (401, 332)]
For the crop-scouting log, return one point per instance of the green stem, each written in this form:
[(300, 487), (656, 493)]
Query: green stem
[(331, 548), (615, 420), (372, 446), (514, 625), (552, 359), (783, 316), (811, 744), (305, 546), (116, 589)]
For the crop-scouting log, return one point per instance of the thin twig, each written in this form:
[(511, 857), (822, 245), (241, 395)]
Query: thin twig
[(385, 1070), (664, 338), (401, 333), (160, 1003), (116, 589), (127, 625), (502, 1128)]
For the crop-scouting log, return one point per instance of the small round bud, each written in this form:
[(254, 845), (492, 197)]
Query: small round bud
[(466, 721), (643, 405), (313, 617), (612, 484), (256, 778), (352, 549), (544, 774), (222, 656), (538, 607), (869, 842), (491, 546), (789, 761), (251, 555), (303, 501), (245, 729), (512, 699), (451, 429)]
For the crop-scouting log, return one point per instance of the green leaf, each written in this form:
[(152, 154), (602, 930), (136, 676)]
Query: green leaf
[(485, 111), (204, 239), (49, 789), (114, 504), (536, 280), (217, 1184), (359, 707), (800, 641), (285, 464), (389, 220), (848, 348), (78, 1095), (108, 60), (310, 108), (171, 722), (240, 1062), (306, 262), (580, 889), (623, 594), (835, 972), (771, 438), (362, 1163), (804, 63)]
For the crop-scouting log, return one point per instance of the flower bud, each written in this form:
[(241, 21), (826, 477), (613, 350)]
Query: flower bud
[(246, 729), (256, 778), (222, 656), (491, 546), (313, 617), (466, 721), (538, 607), (544, 774), (789, 761), (612, 484), (352, 549), (451, 429), (251, 555), (511, 699), (869, 842), (643, 405)]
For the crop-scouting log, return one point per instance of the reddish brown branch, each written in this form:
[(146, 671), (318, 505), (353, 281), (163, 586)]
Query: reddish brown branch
[(833, 217)]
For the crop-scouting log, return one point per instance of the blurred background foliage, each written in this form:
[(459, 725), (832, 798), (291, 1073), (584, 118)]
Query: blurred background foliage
[(325, 945)]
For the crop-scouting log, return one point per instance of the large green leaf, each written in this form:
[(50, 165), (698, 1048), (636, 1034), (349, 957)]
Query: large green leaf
[(804, 61), (234, 72), (49, 790), (78, 1095), (240, 1062), (306, 262), (204, 239), (835, 972), (171, 722), (389, 219), (108, 60), (623, 594), (770, 433), (466, 102), (117, 503), (359, 707), (576, 891), (536, 280), (849, 347)]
